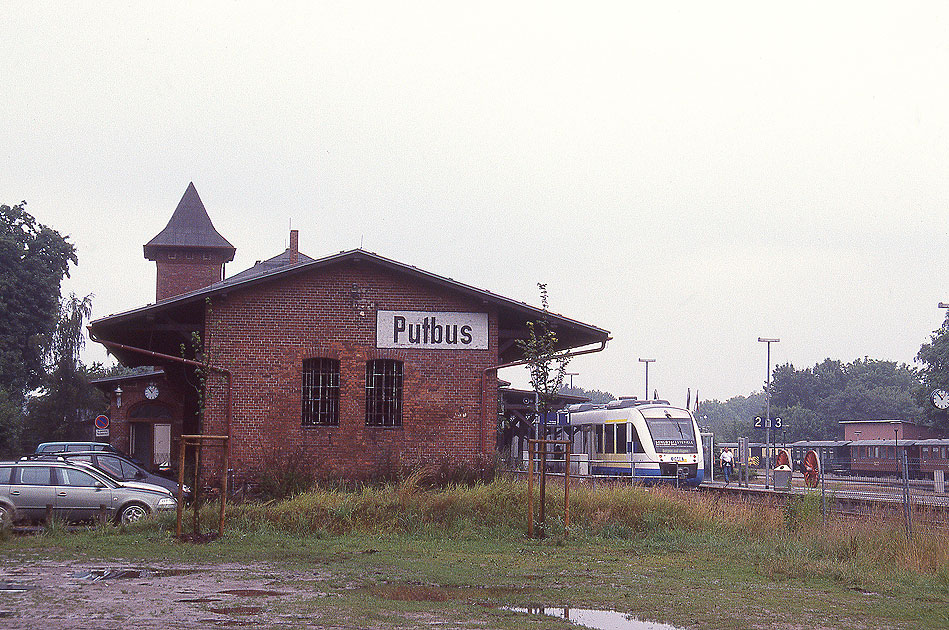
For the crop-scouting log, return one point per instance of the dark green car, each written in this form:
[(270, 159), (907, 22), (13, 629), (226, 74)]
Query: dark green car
[(74, 492)]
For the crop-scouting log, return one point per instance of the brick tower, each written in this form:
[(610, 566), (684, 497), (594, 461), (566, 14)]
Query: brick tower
[(189, 253)]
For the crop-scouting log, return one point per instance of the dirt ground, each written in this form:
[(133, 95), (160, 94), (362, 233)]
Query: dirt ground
[(161, 597)]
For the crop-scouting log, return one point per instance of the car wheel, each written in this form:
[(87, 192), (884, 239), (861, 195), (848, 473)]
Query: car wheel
[(133, 513), (6, 515)]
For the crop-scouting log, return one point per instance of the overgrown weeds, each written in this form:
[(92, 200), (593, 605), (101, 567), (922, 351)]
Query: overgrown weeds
[(286, 473), (781, 542)]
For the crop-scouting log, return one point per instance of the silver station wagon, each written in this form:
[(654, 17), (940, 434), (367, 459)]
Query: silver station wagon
[(74, 492)]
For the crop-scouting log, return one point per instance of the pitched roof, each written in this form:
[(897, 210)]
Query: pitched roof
[(270, 265), (512, 314), (189, 227)]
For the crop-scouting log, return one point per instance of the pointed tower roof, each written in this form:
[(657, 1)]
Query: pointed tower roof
[(189, 227)]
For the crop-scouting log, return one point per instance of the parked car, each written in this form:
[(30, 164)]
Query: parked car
[(65, 447), (74, 491), (122, 468)]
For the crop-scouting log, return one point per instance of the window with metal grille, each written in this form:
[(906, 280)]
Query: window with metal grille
[(384, 393), (320, 392)]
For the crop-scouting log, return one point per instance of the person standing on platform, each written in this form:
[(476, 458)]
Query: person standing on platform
[(728, 460)]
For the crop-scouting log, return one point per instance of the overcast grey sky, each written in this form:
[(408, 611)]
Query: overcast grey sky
[(687, 175)]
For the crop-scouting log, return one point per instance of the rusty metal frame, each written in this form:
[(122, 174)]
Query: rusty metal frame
[(198, 442)]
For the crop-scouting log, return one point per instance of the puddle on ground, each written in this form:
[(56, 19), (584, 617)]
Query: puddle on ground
[(15, 587), (417, 592), (238, 610), (99, 575), (597, 619), (253, 592)]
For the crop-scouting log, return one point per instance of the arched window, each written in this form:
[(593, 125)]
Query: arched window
[(384, 393), (320, 392)]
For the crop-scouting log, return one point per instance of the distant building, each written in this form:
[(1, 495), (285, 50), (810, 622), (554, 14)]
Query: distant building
[(352, 360), (884, 430)]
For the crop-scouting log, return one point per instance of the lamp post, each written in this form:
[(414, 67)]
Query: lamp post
[(647, 362), (767, 425), (896, 447)]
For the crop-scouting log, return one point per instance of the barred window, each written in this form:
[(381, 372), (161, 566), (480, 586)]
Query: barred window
[(384, 393), (320, 392)]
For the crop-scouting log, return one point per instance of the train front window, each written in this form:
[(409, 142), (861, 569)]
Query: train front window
[(672, 435)]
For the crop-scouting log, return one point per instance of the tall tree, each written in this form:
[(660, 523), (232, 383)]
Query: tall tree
[(33, 261), (934, 356), (594, 395), (66, 398), (812, 401), (733, 418)]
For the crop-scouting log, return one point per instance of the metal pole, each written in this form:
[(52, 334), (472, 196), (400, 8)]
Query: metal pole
[(220, 527), (647, 362), (767, 423), (907, 508), (646, 397), (823, 494), (767, 472)]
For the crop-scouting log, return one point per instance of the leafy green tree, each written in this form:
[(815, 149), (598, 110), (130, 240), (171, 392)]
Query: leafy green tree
[(11, 426), (547, 365), (594, 395), (66, 398), (934, 357), (33, 261), (812, 401), (733, 418)]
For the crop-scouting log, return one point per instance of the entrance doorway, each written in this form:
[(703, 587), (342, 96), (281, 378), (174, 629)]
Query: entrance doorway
[(150, 435)]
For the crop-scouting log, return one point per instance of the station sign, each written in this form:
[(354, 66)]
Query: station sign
[(432, 330)]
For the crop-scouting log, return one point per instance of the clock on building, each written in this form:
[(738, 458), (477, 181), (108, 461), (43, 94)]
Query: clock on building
[(151, 392), (940, 398)]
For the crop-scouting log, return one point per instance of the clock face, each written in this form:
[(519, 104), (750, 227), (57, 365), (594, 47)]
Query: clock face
[(151, 392), (940, 398)]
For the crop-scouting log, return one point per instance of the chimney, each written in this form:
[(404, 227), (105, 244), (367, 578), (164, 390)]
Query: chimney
[(294, 246)]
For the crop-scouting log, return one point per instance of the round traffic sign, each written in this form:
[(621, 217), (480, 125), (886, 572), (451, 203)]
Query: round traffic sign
[(102, 422)]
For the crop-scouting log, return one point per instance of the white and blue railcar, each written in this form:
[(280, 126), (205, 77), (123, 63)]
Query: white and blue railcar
[(647, 440)]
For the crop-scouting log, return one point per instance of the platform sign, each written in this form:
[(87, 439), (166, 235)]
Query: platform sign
[(102, 426), (773, 423)]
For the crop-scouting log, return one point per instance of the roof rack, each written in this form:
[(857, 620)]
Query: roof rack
[(46, 457)]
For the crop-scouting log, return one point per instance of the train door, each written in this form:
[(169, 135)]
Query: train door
[(708, 446)]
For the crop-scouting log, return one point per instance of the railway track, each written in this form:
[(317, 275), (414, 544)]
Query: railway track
[(854, 501)]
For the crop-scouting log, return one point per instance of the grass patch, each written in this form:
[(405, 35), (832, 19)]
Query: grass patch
[(398, 552)]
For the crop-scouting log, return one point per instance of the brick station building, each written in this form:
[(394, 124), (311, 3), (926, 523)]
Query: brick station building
[(353, 360)]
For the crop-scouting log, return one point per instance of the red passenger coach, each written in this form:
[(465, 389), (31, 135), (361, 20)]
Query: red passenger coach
[(876, 457), (933, 456)]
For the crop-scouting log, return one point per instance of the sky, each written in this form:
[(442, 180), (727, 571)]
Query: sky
[(687, 175)]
